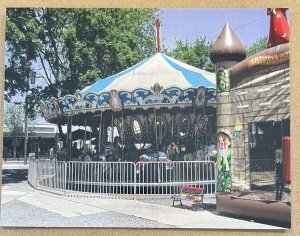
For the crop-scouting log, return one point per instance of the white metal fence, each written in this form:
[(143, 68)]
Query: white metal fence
[(32, 172), (121, 178)]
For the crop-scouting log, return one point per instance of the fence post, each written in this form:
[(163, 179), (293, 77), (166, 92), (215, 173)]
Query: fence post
[(135, 185), (65, 178), (36, 173)]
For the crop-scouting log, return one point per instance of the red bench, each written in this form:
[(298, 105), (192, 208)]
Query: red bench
[(191, 195)]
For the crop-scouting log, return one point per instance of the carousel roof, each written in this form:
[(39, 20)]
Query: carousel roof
[(159, 81), (158, 69)]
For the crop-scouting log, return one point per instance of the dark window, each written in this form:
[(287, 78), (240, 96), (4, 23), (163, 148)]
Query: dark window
[(266, 137), (265, 141)]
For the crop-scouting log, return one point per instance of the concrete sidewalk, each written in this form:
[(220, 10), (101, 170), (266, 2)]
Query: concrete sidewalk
[(74, 207)]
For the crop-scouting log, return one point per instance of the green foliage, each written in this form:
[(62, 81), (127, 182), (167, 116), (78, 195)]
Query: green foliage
[(259, 45), (195, 54), (70, 48), (13, 120)]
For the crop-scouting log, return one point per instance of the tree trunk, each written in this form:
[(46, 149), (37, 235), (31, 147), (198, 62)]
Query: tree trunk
[(61, 134), (15, 147)]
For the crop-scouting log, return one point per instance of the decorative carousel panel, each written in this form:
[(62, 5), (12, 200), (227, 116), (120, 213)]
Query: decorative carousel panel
[(91, 98), (104, 100), (200, 99), (80, 105), (157, 99), (187, 96), (140, 95), (63, 105), (71, 101), (172, 93), (211, 95), (135, 98), (128, 99)]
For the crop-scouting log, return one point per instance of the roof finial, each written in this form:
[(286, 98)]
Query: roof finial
[(157, 36)]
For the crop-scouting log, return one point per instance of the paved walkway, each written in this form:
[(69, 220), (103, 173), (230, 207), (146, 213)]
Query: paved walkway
[(23, 206)]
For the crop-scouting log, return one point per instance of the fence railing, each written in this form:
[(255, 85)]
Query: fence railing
[(32, 172), (121, 178), (262, 174), (51, 175), (100, 177)]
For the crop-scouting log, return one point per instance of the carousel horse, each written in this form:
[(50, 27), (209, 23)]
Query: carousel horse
[(151, 157)]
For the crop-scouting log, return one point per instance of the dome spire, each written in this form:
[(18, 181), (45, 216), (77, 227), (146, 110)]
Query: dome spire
[(227, 47), (157, 36)]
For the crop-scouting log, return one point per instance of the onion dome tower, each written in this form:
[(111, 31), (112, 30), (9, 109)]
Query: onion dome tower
[(227, 47), (226, 52)]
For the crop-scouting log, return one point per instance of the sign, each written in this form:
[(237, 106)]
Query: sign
[(269, 60)]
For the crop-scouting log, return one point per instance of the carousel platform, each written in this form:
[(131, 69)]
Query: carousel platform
[(261, 206)]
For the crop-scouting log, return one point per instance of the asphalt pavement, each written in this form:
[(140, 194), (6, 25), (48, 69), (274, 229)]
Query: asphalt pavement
[(23, 206)]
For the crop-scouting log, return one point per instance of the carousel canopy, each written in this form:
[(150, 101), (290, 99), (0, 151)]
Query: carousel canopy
[(159, 81), (158, 69)]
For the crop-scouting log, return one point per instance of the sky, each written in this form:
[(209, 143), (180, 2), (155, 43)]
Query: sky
[(187, 24)]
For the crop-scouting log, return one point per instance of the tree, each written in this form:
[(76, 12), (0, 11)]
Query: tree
[(259, 45), (70, 48), (13, 124), (195, 54)]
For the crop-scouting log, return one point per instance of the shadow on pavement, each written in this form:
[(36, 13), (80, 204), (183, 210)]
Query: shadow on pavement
[(14, 175)]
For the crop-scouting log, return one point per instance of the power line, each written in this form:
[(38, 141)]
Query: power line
[(240, 26)]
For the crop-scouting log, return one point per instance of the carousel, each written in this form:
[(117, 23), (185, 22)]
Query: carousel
[(154, 105), (146, 130)]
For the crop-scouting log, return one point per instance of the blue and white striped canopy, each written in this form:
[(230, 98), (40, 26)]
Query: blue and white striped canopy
[(159, 68)]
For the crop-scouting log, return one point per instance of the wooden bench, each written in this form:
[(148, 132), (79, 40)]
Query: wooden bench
[(191, 195)]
